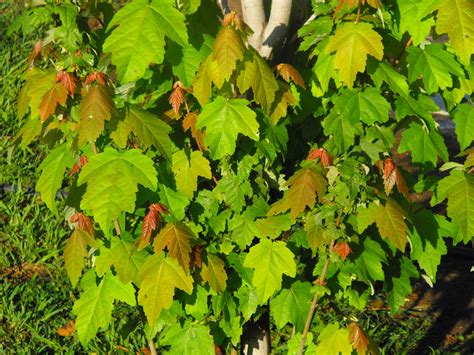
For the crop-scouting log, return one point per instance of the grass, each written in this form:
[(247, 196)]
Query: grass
[(36, 297)]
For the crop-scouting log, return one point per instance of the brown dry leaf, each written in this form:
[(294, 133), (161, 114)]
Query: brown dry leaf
[(289, 72), (358, 338), (67, 330), (196, 260)]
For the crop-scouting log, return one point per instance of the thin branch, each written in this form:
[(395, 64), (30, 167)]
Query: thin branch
[(314, 303)]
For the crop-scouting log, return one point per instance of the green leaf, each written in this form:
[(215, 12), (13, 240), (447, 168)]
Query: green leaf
[(352, 43), (283, 98), (232, 190), (149, 129), (434, 66), (74, 253), (414, 19), (455, 17), (174, 200), (273, 226), (368, 106), (185, 63), (224, 119), (126, 260), (369, 258), (397, 283), (38, 82), (342, 130), (422, 107), (52, 170), (464, 120), (197, 304), (425, 146), (270, 260), (191, 339), (427, 244), (243, 228), (292, 305), (304, 185), (68, 33), (96, 107), (213, 272), (94, 307), (176, 237), (112, 179), (160, 277), (458, 187), (186, 170), (139, 38), (228, 50), (384, 72), (248, 301), (333, 340), (258, 75), (390, 221)]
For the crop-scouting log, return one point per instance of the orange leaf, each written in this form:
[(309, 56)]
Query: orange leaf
[(342, 249), (189, 122), (177, 97), (150, 223), (322, 154), (349, 5), (392, 176), (67, 80), (34, 53), (289, 72), (54, 96), (358, 338), (67, 330)]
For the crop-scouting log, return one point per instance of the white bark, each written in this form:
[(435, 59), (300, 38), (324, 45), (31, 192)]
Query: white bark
[(254, 16), (267, 37), (275, 31)]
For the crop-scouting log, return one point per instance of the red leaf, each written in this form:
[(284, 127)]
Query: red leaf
[(150, 223), (289, 73), (96, 77), (67, 330), (35, 53), (54, 96), (177, 97), (358, 338), (83, 222), (342, 249), (67, 80), (322, 154)]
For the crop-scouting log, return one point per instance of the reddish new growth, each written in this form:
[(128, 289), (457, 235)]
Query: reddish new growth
[(67, 80), (35, 53), (196, 260), (83, 222), (392, 176), (342, 249), (96, 76), (77, 166), (322, 154), (150, 223), (177, 96)]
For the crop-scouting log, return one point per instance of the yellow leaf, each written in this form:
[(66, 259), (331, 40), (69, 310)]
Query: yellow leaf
[(214, 273), (202, 84), (160, 276), (352, 43), (228, 49)]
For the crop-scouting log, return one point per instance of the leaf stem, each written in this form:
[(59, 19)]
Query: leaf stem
[(314, 303)]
